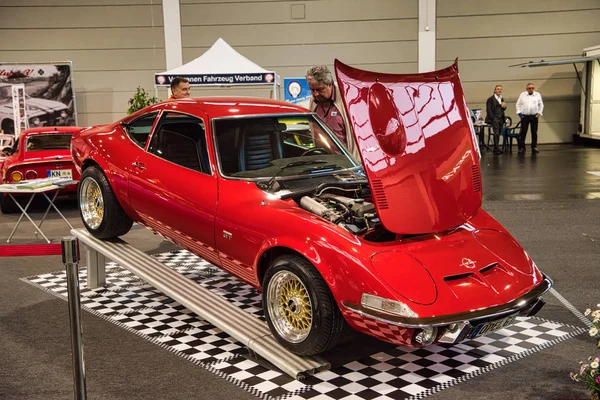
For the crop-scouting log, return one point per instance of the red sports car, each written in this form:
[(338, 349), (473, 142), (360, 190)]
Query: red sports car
[(39, 153), (397, 246)]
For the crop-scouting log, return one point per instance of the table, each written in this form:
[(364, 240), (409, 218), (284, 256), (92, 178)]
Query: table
[(480, 126), (14, 189)]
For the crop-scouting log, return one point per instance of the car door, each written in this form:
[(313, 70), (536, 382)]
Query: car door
[(172, 186)]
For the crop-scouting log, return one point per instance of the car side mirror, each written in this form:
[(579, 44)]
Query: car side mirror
[(7, 150)]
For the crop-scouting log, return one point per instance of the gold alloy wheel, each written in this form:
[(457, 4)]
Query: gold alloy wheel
[(91, 203), (289, 306)]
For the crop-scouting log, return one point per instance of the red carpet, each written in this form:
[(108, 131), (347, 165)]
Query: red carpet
[(19, 250)]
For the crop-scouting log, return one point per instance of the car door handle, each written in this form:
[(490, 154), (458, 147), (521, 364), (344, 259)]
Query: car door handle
[(139, 165)]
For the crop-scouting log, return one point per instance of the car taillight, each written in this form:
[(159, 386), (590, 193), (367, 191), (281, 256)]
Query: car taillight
[(16, 176), (31, 174)]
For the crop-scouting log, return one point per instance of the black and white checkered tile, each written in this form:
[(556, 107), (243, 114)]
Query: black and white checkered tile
[(391, 373)]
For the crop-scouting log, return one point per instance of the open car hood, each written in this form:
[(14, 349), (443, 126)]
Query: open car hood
[(417, 146)]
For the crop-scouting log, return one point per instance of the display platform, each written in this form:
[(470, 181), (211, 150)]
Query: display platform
[(361, 369)]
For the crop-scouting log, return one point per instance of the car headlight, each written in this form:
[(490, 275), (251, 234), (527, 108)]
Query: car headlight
[(63, 114), (406, 275), (505, 248), (36, 121), (386, 305)]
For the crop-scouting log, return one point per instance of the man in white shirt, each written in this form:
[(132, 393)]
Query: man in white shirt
[(529, 108)]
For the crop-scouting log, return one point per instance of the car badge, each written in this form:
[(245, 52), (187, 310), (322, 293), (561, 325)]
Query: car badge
[(468, 263)]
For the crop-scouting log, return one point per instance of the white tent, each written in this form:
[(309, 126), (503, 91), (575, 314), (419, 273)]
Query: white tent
[(220, 65)]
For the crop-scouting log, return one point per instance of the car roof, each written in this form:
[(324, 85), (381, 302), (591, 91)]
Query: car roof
[(217, 107)]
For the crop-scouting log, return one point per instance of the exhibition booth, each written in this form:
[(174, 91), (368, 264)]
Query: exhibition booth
[(221, 65)]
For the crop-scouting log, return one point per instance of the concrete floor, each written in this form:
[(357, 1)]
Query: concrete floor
[(548, 201)]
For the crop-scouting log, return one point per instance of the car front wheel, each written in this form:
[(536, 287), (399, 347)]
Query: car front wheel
[(299, 307), (100, 210)]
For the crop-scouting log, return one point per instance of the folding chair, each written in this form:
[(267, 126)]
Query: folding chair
[(509, 133)]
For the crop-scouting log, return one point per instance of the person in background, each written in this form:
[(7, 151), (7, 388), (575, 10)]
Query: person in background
[(327, 102), (495, 107), (529, 108), (180, 89)]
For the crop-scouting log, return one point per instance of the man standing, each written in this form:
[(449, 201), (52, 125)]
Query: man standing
[(180, 88), (327, 103), (495, 107), (529, 109)]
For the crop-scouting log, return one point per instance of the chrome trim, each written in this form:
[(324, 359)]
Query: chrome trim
[(62, 160), (459, 318)]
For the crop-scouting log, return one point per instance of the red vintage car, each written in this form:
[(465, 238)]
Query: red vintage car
[(399, 249), (38, 153)]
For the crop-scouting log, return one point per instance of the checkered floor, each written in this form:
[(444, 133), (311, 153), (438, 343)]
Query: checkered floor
[(384, 372)]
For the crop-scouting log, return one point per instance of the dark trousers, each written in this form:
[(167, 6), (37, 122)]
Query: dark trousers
[(525, 122), (497, 124)]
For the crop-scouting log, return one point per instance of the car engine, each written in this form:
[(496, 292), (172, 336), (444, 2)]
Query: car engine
[(353, 214)]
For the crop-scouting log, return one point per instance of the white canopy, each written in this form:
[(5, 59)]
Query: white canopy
[(220, 65)]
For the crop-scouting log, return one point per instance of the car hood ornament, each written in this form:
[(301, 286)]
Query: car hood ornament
[(417, 147), (468, 263)]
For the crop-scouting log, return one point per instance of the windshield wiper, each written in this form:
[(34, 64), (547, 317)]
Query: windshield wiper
[(267, 186), (322, 168)]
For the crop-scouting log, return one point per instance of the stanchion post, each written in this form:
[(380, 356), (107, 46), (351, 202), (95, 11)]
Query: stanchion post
[(70, 257)]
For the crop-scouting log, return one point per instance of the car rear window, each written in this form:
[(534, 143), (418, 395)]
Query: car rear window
[(49, 142)]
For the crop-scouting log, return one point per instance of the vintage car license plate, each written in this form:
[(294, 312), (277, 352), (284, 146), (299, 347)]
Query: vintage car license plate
[(492, 326), (60, 173)]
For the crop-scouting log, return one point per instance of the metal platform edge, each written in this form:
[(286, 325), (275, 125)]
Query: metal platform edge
[(247, 329)]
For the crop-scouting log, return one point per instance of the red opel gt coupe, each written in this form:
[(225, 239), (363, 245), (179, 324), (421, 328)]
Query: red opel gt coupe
[(39, 153), (397, 247)]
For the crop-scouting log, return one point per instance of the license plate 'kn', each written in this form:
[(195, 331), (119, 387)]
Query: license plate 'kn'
[(60, 173)]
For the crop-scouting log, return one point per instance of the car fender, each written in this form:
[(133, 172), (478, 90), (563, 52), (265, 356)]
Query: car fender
[(119, 181), (352, 275)]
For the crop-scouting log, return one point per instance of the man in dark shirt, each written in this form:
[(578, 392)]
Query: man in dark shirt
[(327, 103), (495, 107)]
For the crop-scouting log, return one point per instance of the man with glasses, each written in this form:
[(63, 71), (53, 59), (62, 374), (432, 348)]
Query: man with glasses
[(326, 101), (529, 108)]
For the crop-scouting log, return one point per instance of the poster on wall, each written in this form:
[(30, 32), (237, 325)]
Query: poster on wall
[(296, 91), (47, 96)]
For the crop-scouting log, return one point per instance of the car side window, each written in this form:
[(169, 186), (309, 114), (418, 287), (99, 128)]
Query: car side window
[(181, 139), (139, 129)]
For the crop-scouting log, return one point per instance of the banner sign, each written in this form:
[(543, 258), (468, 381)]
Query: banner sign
[(218, 79), (296, 91), (36, 95), (19, 109)]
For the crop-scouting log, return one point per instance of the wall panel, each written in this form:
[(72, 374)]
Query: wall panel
[(117, 45), (489, 37), (80, 16)]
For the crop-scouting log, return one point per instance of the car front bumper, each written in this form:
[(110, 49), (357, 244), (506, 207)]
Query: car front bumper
[(453, 328)]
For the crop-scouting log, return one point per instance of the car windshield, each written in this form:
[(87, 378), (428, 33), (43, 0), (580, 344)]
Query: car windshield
[(278, 146), (48, 142)]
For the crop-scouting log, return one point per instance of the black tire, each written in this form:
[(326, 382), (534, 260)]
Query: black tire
[(7, 205), (326, 325), (113, 222)]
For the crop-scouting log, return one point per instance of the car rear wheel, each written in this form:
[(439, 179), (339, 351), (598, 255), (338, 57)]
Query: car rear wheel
[(100, 210), (299, 307)]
